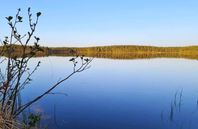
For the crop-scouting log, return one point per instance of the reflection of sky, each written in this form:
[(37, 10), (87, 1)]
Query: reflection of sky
[(117, 93)]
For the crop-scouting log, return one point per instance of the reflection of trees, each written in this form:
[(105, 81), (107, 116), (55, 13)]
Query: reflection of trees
[(127, 55), (127, 52), (119, 52), (140, 55)]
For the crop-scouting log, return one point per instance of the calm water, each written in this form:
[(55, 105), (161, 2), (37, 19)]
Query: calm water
[(118, 94)]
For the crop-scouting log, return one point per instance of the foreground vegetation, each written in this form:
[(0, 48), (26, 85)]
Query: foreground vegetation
[(15, 73)]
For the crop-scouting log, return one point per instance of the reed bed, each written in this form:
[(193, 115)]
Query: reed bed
[(6, 122)]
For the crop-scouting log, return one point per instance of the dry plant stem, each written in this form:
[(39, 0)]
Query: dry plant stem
[(22, 61), (16, 67), (9, 55), (17, 72), (80, 69)]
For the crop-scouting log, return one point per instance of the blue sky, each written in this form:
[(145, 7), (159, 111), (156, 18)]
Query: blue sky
[(109, 22)]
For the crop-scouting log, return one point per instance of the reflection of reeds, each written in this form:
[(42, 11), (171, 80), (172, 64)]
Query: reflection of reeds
[(180, 100), (176, 104), (171, 112), (171, 120)]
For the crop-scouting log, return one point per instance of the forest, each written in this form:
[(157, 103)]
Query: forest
[(115, 51)]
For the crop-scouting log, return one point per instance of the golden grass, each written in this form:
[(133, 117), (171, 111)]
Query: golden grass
[(7, 123)]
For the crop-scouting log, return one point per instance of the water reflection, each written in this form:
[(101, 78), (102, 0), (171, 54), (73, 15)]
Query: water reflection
[(131, 55), (117, 94), (173, 119)]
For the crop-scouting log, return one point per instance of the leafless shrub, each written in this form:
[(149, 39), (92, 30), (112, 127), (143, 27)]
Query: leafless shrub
[(16, 52)]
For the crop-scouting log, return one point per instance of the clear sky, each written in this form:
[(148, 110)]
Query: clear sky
[(110, 22)]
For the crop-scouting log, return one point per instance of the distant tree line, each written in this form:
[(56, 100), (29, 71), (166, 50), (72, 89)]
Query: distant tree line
[(116, 52)]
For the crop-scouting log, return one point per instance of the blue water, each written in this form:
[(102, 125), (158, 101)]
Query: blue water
[(117, 94)]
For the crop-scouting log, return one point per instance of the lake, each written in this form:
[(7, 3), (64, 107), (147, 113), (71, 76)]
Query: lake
[(160, 93)]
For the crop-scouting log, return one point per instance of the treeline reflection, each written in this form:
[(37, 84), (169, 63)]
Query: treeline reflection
[(131, 55)]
